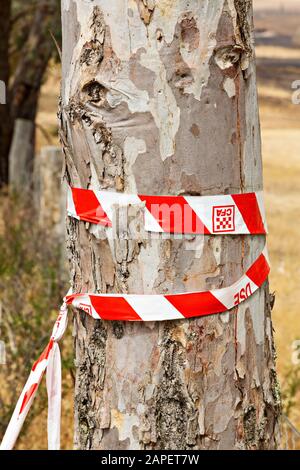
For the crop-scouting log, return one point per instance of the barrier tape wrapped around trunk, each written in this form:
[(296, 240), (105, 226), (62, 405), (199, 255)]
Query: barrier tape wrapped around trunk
[(173, 306), (85, 205), (236, 214), (49, 362)]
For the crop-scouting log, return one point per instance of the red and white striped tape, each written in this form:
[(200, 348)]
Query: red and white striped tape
[(173, 306), (236, 214), (125, 308), (232, 214), (48, 361)]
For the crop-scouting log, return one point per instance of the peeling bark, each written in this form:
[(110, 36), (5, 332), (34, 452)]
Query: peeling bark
[(160, 98), (146, 9)]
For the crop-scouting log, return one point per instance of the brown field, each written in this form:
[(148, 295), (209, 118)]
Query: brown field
[(278, 67), (276, 4), (281, 156)]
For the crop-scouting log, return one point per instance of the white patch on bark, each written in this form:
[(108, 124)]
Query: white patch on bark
[(124, 424), (163, 105), (224, 60), (131, 34), (201, 418), (94, 182), (196, 244), (217, 248), (257, 318), (149, 261), (149, 391), (132, 148), (65, 5), (233, 13), (252, 144), (269, 332), (225, 317), (166, 15), (229, 87), (255, 379), (207, 16), (241, 328), (122, 89)]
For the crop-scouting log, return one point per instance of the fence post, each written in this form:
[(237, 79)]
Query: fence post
[(20, 156), (50, 197)]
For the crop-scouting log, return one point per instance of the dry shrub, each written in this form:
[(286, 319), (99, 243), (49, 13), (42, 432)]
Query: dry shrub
[(31, 290)]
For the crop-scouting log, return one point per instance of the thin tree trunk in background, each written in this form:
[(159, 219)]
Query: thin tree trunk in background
[(36, 54), (30, 72), (159, 97), (5, 127), (24, 87)]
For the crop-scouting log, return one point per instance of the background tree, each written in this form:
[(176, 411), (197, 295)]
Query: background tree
[(4, 76), (25, 51), (159, 97)]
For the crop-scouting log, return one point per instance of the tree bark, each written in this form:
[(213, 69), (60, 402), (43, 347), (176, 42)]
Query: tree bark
[(159, 97)]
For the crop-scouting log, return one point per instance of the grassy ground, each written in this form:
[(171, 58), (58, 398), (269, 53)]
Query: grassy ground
[(280, 121)]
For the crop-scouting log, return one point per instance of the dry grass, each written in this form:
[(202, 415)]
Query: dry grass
[(277, 52), (278, 67), (276, 4), (281, 151)]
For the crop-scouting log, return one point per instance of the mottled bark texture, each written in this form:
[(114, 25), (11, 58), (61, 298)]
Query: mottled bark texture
[(159, 97)]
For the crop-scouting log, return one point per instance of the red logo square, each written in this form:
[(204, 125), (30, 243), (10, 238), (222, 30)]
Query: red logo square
[(223, 219), (85, 308)]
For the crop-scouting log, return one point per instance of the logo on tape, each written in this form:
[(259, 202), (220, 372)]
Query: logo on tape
[(243, 294), (223, 219), (85, 308)]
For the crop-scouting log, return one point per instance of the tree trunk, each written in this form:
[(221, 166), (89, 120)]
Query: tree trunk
[(36, 53), (25, 84), (5, 128), (159, 97)]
